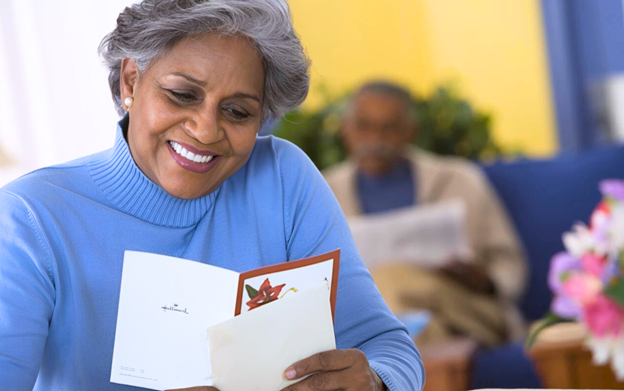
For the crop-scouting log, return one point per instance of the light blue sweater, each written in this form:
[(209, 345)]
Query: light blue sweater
[(64, 229)]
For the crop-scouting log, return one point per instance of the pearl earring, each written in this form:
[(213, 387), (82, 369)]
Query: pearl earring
[(128, 102)]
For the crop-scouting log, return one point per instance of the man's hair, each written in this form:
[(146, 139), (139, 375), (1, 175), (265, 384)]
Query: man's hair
[(388, 88), (148, 30)]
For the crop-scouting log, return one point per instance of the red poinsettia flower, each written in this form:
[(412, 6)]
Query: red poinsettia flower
[(264, 295)]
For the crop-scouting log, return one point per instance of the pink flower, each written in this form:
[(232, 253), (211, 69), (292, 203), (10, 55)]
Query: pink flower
[(582, 288), (603, 317), (594, 264)]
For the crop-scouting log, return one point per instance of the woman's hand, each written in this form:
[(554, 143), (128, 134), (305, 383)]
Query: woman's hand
[(346, 370)]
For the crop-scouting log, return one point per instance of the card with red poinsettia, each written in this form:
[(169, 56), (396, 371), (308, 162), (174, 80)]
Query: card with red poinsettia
[(265, 285)]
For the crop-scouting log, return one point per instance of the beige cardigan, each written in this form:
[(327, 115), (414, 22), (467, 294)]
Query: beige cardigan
[(492, 236)]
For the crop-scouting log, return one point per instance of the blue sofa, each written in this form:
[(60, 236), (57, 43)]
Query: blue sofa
[(544, 199)]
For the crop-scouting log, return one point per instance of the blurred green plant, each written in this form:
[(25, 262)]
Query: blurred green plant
[(447, 125), (317, 132)]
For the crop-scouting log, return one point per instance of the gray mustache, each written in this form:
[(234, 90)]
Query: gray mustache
[(379, 150)]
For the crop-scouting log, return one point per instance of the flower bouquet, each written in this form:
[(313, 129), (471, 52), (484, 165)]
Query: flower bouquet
[(588, 280)]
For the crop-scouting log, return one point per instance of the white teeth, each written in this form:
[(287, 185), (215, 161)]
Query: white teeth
[(189, 155)]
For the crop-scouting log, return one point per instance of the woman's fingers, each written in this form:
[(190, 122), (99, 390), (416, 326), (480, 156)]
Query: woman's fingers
[(321, 381), (345, 370), (332, 360)]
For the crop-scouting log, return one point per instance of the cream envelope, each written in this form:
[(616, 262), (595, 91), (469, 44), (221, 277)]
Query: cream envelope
[(251, 352)]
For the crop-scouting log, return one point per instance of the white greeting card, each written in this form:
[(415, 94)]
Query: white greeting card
[(167, 305)]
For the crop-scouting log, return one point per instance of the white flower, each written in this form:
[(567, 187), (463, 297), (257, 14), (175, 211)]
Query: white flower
[(601, 349), (578, 242), (617, 362), (616, 231), (608, 349), (600, 218), (600, 225)]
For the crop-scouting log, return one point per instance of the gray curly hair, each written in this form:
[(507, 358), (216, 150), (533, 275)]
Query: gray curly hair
[(148, 30)]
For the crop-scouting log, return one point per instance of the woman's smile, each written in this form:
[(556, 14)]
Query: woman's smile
[(192, 159)]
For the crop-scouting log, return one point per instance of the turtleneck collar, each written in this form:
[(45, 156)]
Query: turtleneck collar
[(125, 185)]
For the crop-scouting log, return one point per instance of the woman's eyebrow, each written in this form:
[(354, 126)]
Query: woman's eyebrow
[(245, 95), (190, 78), (203, 84)]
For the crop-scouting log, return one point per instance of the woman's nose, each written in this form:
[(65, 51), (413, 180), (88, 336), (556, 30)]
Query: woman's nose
[(206, 126)]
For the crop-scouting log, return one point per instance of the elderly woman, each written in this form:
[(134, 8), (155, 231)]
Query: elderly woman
[(189, 177)]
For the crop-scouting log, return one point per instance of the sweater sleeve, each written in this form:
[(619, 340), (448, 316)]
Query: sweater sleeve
[(27, 294), (314, 224)]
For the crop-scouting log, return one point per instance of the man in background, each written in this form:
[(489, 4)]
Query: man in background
[(476, 297)]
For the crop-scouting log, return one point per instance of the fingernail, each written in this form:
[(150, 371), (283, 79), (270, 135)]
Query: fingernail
[(291, 374)]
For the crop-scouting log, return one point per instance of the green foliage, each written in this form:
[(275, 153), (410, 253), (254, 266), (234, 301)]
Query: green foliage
[(615, 291), (317, 133), (447, 126)]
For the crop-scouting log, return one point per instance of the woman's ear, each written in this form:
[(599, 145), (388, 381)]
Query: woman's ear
[(129, 76)]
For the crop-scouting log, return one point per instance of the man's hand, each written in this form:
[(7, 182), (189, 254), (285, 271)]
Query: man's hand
[(346, 370), (470, 276)]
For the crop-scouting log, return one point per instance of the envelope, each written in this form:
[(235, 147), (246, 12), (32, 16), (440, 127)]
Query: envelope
[(251, 352)]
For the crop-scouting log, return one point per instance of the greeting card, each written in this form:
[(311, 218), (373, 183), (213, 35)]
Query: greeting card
[(167, 306)]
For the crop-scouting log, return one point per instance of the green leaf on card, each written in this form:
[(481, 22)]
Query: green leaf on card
[(251, 291)]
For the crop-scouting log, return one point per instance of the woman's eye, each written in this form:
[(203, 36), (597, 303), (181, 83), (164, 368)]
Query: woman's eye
[(183, 97), (236, 114)]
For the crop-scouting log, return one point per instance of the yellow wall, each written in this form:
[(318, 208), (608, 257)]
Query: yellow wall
[(493, 50)]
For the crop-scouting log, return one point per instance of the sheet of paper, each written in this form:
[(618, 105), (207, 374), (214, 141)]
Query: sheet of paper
[(165, 306), (428, 236), (251, 352)]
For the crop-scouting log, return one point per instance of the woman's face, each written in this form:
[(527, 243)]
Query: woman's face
[(196, 113)]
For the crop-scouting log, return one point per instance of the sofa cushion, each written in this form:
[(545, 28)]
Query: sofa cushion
[(505, 366), (544, 199)]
